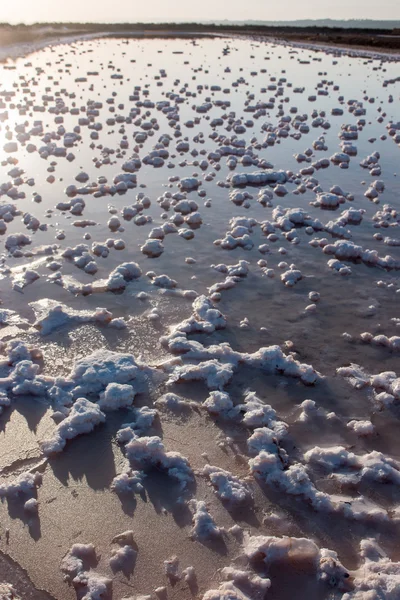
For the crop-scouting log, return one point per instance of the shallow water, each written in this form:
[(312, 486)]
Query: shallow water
[(75, 501)]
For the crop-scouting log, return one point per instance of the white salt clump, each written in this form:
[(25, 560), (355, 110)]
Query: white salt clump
[(31, 505), (83, 418), (218, 403), (123, 274), (255, 412), (264, 438), (212, 372), (149, 452), (143, 419), (163, 281), (361, 428), (127, 482), (123, 559), (115, 396), (152, 248), (93, 373), (88, 582), (291, 277), (204, 526), (25, 484), (228, 487), (206, 318)]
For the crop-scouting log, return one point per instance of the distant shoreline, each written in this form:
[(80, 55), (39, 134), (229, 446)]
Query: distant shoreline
[(17, 41)]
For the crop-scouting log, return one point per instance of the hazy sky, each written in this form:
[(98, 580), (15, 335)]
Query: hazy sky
[(29, 11)]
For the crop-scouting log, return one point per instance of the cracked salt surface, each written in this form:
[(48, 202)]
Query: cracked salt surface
[(181, 359)]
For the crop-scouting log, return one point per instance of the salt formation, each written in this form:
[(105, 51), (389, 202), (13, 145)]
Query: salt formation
[(75, 567), (82, 418), (204, 526), (228, 487)]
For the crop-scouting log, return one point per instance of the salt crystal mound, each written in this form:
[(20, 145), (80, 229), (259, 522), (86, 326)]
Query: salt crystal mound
[(25, 484), (258, 178), (229, 488), (75, 567), (220, 361), (94, 373), (83, 418), (204, 526), (127, 482), (146, 453), (373, 466), (205, 319), (116, 396)]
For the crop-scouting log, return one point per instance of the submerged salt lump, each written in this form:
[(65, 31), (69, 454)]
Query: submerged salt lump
[(25, 484), (171, 569), (76, 568), (93, 373), (291, 550), (228, 487), (83, 418), (204, 526), (115, 396), (148, 452), (51, 315), (378, 577), (122, 275), (162, 281)]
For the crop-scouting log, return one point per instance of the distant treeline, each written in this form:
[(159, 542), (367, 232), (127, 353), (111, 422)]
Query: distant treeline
[(198, 27)]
